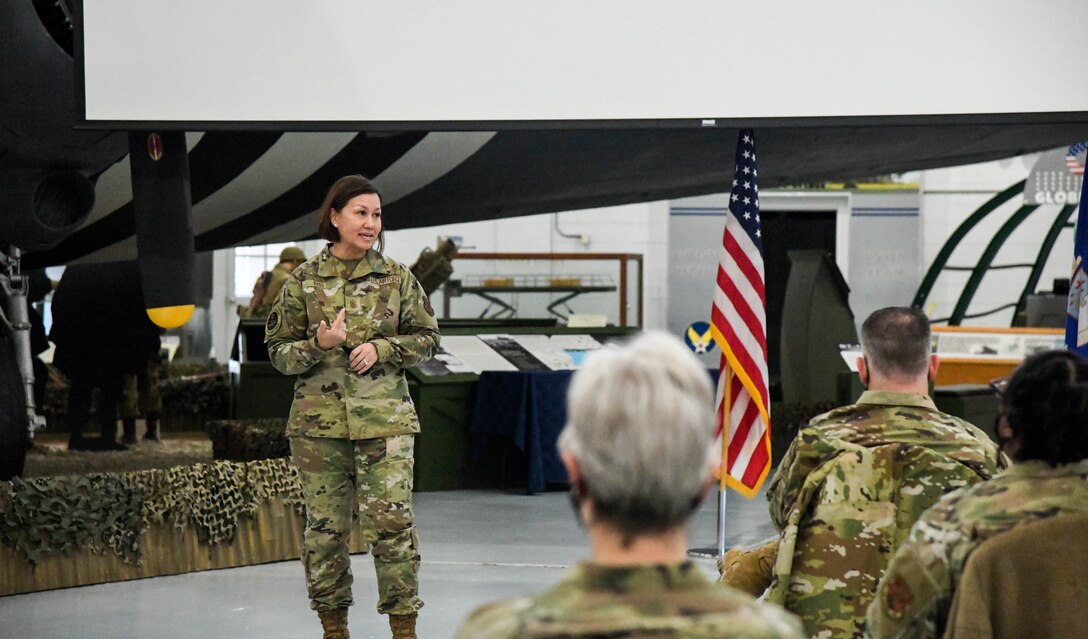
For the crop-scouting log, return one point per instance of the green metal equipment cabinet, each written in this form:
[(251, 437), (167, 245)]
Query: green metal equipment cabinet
[(257, 390), (444, 405)]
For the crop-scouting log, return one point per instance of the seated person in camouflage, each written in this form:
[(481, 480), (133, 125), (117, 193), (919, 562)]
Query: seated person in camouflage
[(637, 447), (855, 479), (936, 584)]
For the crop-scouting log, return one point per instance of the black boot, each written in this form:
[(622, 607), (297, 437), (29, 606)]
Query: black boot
[(111, 388), (128, 426), (152, 433), (110, 443), (108, 438)]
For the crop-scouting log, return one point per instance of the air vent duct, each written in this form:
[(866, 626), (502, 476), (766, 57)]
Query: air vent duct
[(41, 208)]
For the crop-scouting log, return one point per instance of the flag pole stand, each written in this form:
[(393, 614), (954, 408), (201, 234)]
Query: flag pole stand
[(722, 493), (711, 552)]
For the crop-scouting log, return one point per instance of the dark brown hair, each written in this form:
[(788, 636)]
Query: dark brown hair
[(341, 191), (896, 341)]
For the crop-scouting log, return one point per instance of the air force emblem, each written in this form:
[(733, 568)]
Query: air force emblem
[(698, 338)]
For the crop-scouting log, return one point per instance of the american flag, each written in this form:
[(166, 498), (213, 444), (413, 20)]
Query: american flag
[(739, 325), (1075, 166)]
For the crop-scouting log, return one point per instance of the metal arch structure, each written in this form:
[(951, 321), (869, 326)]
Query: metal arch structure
[(985, 262), (1061, 222), (940, 262)]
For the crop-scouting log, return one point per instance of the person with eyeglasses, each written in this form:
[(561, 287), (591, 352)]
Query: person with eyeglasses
[(1008, 557)]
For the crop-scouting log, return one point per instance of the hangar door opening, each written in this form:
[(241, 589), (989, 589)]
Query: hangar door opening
[(695, 235), (785, 231)]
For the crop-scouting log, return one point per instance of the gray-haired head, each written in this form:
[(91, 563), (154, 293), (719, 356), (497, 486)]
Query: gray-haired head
[(896, 341), (641, 427)]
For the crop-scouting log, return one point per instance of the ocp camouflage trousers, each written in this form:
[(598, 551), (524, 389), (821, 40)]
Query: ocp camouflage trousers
[(373, 478), (142, 396)]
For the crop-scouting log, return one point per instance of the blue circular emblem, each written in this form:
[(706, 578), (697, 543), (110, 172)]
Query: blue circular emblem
[(698, 338)]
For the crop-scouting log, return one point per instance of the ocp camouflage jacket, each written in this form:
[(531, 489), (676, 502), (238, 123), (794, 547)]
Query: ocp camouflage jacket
[(663, 601), (916, 594), (386, 306), (847, 492)]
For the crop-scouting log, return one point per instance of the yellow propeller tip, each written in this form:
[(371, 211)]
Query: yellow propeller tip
[(170, 316)]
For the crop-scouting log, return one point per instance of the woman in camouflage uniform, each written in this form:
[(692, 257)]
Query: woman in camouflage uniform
[(348, 322)]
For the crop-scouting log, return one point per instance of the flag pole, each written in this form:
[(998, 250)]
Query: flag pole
[(723, 488), (721, 520), (710, 550), (738, 326)]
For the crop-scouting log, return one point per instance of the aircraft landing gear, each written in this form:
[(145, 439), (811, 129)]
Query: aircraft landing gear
[(18, 416)]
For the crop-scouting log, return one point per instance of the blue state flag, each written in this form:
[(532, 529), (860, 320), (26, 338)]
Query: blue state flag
[(1078, 283)]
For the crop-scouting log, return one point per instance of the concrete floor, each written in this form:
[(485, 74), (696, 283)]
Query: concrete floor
[(477, 547)]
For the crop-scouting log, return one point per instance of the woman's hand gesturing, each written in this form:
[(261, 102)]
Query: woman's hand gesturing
[(329, 337)]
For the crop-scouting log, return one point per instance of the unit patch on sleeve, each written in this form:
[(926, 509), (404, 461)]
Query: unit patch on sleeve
[(273, 323)]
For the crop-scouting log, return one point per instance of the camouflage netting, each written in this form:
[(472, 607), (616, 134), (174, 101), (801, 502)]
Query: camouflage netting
[(249, 439), (99, 512)]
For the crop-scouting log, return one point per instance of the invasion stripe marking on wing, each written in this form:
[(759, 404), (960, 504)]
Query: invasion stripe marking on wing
[(293, 158), (214, 161), (369, 154), (434, 156), (437, 155)]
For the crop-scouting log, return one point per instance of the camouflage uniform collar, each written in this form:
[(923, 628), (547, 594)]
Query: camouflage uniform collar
[(328, 265), (1037, 468), (644, 578), (893, 398)]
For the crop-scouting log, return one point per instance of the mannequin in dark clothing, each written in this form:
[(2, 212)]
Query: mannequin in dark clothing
[(102, 333)]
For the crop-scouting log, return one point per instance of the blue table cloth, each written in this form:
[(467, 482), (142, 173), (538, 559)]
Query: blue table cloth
[(527, 409)]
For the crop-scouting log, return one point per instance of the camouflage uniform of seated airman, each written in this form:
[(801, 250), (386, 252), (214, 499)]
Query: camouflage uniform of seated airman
[(848, 490), (659, 601), (353, 434), (916, 592)]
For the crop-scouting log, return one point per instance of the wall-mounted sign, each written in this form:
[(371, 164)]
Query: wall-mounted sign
[(1057, 176)]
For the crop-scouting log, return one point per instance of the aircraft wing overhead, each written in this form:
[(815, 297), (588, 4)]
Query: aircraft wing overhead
[(99, 77), (261, 187)]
